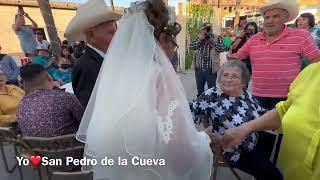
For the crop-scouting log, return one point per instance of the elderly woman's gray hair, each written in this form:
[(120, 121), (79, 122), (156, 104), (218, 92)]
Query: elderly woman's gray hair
[(245, 74)]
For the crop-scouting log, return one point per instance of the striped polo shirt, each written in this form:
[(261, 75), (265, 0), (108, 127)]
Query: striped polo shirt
[(275, 65)]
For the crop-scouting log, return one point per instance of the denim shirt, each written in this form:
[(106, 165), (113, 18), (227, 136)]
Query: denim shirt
[(10, 68), (27, 41)]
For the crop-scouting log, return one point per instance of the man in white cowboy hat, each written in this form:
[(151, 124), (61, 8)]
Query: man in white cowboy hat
[(94, 23), (276, 55)]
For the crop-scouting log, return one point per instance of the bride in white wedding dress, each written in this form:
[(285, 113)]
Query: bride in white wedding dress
[(138, 110)]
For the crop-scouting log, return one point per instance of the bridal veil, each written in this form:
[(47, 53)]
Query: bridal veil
[(138, 109)]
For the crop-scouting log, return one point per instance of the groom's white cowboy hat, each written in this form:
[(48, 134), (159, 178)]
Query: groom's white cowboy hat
[(288, 5), (88, 15)]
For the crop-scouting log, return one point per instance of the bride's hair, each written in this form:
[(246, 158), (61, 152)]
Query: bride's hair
[(158, 16), (172, 30)]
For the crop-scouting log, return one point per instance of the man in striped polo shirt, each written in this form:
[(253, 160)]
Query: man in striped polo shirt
[(276, 55)]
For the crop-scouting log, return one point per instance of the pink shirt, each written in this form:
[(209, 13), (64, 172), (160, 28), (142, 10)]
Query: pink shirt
[(275, 65)]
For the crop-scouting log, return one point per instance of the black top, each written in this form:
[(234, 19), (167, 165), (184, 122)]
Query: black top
[(85, 73)]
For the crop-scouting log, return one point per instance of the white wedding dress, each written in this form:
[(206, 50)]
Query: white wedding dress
[(138, 109)]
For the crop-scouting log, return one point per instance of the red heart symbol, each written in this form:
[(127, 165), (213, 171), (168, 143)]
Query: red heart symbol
[(35, 160)]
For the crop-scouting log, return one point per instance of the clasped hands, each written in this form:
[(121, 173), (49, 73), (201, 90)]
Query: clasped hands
[(231, 138)]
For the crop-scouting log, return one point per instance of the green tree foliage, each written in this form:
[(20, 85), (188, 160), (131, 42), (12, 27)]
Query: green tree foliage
[(198, 14)]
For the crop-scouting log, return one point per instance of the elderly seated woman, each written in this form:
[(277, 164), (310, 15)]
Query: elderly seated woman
[(229, 105), (10, 97)]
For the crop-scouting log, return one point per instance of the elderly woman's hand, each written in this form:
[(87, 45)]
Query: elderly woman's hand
[(216, 144), (216, 140), (234, 136)]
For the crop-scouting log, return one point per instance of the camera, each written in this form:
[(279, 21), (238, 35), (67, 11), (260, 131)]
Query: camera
[(20, 7), (208, 29), (20, 10), (208, 32)]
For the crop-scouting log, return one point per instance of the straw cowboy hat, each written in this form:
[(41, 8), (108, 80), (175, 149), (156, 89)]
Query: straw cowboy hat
[(88, 15), (288, 5)]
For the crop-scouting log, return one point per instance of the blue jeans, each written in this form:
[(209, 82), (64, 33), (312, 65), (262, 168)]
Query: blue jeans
[(203, 77)]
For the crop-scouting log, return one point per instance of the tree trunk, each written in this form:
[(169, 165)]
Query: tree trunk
[(46, 12)]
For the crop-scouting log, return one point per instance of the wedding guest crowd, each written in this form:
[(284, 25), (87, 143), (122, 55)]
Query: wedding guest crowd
[(274, 57)]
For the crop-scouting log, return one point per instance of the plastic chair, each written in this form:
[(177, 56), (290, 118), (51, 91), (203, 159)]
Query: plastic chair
[(9, 137), (65, 145)]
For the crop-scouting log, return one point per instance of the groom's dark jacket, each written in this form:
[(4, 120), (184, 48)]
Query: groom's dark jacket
[(85, 73)]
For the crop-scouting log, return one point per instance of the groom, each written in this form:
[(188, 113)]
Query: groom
[(94, 23)]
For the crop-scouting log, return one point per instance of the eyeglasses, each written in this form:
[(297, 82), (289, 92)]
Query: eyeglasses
[(232, 77)]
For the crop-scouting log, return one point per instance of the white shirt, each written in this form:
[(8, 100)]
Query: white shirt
[(68, 88), (44, 44), (102, 54)]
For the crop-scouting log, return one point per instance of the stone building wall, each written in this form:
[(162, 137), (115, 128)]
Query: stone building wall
[(8, 39)]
